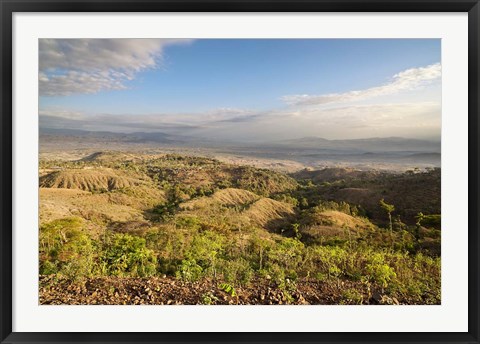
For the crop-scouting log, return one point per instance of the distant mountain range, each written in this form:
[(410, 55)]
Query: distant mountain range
[(305, 145), (138, 137)]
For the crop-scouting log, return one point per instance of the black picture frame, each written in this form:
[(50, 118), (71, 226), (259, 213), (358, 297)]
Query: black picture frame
[(9, 7)]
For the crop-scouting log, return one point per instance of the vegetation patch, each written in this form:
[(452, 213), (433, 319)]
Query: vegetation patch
[(223, 234)]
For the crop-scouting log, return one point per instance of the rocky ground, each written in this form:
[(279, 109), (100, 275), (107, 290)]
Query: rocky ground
[(54, 290)]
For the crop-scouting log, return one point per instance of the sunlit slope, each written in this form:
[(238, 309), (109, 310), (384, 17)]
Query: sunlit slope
[(95, 179)]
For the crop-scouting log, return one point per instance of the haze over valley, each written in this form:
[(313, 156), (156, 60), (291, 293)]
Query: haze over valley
[(391, 153)]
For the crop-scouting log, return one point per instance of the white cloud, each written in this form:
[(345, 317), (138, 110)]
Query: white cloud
[(420, 120), (339, 115), (407, 119), (57, 117), (407, 80), (74, 82), (395, 115), (76, 66)]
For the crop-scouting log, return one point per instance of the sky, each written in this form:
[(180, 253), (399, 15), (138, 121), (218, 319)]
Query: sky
[(243, 90)]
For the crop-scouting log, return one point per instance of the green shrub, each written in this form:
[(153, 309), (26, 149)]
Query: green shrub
[(237, 271), (287, 253), (48, 268), (286, 198), (351, 297), (66, 249), (189, 270), (126, 255), (165, 211), (205, 249), (189, 222), (429, 220)]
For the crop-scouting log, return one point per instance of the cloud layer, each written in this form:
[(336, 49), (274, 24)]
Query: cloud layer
[(407, 80), (85, 66), (351, 114), (420, 120)]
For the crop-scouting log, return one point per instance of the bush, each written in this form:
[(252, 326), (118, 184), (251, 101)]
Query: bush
[(189, 222), (286, 199), (237, 271), (287, 253), (189, 270), (205, 249), (48, 268), (126, 255), (351, 297), (381, 273), (66, 249)]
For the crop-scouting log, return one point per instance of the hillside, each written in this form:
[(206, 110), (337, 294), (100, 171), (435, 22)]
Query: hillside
[(199, 231), (90, 180), (334, 174), (411, 192), (226, 197)]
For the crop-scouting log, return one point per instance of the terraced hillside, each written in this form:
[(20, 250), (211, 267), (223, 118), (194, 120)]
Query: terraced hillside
[(111, 222)]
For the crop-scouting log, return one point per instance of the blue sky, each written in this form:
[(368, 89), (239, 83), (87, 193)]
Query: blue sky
[(97, 84)]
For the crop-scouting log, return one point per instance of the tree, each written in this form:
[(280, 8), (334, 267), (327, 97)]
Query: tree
[(419, 219), (389, 209)]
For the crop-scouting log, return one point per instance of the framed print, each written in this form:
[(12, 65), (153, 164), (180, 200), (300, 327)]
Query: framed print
[(239, 172)]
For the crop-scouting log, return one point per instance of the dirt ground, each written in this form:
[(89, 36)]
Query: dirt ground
[(56, 290)]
